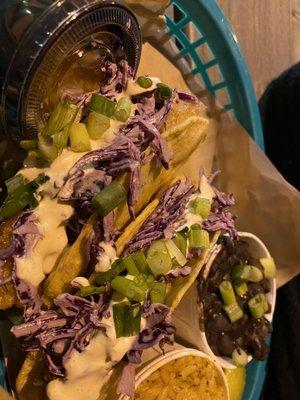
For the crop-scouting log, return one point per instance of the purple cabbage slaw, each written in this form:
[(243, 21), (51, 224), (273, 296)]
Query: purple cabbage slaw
[(58, 333), (168, 215)]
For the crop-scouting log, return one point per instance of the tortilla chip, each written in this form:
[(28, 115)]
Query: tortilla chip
[(181, 285), (186, 130), (33, 378), (72, 263), (7, 292)]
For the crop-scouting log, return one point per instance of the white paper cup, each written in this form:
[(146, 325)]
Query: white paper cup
[(173, 355), (186, 315)]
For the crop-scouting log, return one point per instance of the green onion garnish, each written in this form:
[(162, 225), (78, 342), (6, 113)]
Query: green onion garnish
[(181, 242), (123, 109), (158, 246), (141, 262), (201, 206), (269, 267), (128, 288), (160, 263), (30, 144), (158, 292), (241, 289), (163, 92), (130, 266), (234, 312), (109, 198), (34, 159), (246, 273), (258, 305), (60, 139), (127, 319), (102, 277), (144, 81), (20, 194), (63, 115), (48, 150), (227, 292), (175, 252), (102, 105), (97, 124), (198, 238), (239, 357), (85, 291), (79, 138)]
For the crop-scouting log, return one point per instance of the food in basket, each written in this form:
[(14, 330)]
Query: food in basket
[(236, 300), (188, 377)]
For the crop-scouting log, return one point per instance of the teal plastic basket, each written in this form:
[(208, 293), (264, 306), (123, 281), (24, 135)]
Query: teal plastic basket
[(204, 37)]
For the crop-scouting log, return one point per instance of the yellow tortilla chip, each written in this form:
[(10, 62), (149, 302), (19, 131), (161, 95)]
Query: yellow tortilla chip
[(7, 292), (72, 264), (33, 378), (185, 132)]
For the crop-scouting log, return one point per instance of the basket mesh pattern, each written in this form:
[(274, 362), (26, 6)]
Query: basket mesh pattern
[(193, 46)]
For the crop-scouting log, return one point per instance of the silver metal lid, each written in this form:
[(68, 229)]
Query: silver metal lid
[(58, 52)]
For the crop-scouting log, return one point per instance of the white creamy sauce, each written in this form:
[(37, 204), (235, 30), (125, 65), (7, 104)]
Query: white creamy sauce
[(44, 255), (88, 371), (106, 258)]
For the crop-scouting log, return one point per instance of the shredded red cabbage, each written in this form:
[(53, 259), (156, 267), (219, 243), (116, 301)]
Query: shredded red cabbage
[(58, 333), (175, 273), (168, 215)]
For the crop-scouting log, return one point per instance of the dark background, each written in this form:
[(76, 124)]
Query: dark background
[(280, 112)]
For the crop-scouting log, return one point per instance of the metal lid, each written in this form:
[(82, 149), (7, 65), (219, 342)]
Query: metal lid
[(59, 52)]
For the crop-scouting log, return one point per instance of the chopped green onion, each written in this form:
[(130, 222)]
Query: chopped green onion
[(163, 92), (60, 139), (227, 292), (63, 114), (128, 288), (16, 184), (174, 250), (141, 262), (102, 105), (30, 144), (269, 267), (21, 194), (258, 305), (246, 273), (119, 319), (158, 292), (48, 150), (241, 289), (144, 81), (156, 247), (130, 266), (234, 312), (79, 137), (85, 291), (102, 277), (123, 109), (181, 242), (160, 263), (198, 238), (109, 198), (97, 124), (239, 357), (127, 319), (34, 159), (195, 227), (132, 319), (201, 206)]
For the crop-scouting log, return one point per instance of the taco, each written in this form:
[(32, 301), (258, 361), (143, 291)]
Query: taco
[(124, 306), (137, 136)]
